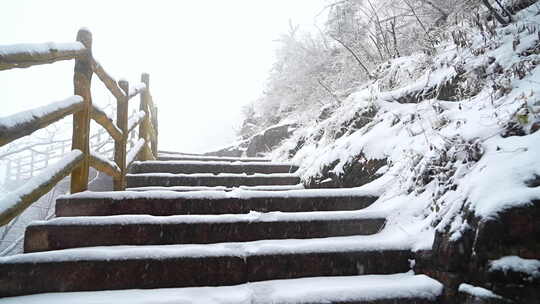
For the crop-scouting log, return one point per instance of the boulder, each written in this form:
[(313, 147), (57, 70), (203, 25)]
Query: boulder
[(358, 171), (467, 258), (268, 139)]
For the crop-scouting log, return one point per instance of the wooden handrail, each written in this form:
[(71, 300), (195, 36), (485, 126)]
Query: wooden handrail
[(102, 164), (25, 123), (27, 55), (135, 151), (136, 90), (78, 161), (106, 122), (135, 120), (109, 82), (13, 203)]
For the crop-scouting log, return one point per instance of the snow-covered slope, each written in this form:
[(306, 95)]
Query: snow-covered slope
[(456, 129)]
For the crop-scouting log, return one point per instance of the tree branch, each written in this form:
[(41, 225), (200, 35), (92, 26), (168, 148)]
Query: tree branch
[(328, 90), (354, 55)]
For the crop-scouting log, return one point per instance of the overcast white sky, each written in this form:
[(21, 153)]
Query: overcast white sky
[(205, 58)]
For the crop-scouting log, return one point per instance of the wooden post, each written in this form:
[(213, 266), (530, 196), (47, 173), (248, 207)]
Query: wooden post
[(155, 139), (81, 120), (120, 146), (144, 132)]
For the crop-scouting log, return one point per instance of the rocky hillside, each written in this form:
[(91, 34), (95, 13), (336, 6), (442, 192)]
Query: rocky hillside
[(448, 137)]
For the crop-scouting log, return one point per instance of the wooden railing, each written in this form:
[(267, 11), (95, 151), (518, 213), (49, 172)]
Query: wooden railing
[(81, 158)]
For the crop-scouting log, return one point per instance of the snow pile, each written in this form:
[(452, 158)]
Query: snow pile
[(457, 129), (529, 267), (499, 179), (478, 292)]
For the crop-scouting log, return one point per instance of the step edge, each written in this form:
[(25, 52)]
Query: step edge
[(253, 217), (211, 163), (359, 243), (426, 288), (218, 175), (217, 188), (240, 194)]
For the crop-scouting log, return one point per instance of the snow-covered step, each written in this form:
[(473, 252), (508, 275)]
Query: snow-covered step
[(403, 288), (166, 266), (218, 188), (215, 167), (208, 179), (210, 202), (183, 157), (72, 232)]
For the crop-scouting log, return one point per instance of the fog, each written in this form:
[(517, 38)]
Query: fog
[(206, 59)]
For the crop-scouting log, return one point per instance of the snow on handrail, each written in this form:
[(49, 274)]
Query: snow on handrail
[(110, 83), (135, 89), (99, 116), (13, 203), (103, 164), (135, 120), (26, 55), (132, 154), (27, 122)]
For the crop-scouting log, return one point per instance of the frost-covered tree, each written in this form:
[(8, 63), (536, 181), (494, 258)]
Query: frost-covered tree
[(317, 70)]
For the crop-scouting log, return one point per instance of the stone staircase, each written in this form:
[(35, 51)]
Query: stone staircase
[(227, 222)]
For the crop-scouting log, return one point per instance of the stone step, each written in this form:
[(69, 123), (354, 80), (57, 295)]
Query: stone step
[(214, 167), (160, 152), (183, 157), (218, 188), (210, 202), (206, 179), (168, 266), (403, 288), (72, 232)]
